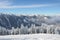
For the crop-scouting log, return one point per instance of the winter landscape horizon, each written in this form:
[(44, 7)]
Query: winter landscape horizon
[(29, 19), (33, 27)]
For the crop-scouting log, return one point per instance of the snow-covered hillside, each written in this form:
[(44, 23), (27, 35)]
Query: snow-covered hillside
[(31, 37)]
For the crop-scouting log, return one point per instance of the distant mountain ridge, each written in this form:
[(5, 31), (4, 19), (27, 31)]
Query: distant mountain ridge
[(9, 21)]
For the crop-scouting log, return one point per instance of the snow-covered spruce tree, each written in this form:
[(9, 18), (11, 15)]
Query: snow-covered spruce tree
[(3, 31), (38, 30), (8, 31), (19, 30), (51, 29), (26, 30), (12, 31), (43, 28), (57, 30), (33, 28), (0, 30), (23, 30), (16, 31)]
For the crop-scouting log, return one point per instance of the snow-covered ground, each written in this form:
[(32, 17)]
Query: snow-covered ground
[(31, 37)]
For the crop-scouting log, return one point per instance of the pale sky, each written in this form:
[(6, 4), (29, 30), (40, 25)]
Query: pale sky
[(49, 7)]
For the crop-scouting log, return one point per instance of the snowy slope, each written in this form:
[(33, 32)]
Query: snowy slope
[(31, 37)]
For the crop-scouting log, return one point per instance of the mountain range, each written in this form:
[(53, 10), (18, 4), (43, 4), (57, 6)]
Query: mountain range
[(8, 21)]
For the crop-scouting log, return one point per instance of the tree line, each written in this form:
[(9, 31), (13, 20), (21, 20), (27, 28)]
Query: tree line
[(44, 28)]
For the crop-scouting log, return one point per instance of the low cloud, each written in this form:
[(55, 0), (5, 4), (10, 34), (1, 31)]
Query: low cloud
[(53, 20)]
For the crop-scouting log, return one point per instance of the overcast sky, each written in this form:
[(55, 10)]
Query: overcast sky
[(49, 7)]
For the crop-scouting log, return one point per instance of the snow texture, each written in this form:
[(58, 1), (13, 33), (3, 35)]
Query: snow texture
[(31, 37)]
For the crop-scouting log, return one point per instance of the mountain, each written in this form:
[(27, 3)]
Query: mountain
[(9, 21)]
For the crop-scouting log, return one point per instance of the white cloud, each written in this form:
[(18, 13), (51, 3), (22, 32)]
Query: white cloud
[(27, 6), (7, 4), (4, 3)]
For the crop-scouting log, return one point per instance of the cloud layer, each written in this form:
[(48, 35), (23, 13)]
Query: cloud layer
[(7, 4)]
